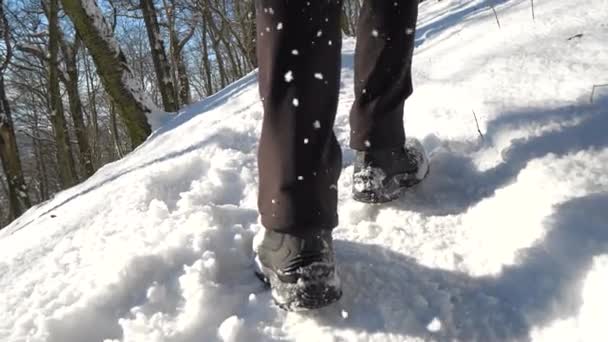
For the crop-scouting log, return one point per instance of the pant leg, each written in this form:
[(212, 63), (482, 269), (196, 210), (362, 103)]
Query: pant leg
[(299, 158), (383, 80)]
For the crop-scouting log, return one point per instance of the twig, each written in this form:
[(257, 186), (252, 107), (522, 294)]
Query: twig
[(477, 123), (595, 86), (496, 15), (580, 35), (533, 15)]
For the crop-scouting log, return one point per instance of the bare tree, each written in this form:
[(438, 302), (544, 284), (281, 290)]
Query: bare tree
[(19, 200), (96, 69), (159, 57), (177, 44), (65, 158), (112, 66), (70, 80), (350, 13)]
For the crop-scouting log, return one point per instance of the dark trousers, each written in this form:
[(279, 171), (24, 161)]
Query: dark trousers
[(299, 54)]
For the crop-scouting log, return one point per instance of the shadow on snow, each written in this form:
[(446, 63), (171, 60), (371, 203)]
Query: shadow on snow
[(387, 292), (455, 184)]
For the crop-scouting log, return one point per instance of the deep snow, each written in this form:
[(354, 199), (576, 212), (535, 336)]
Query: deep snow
[(507, 239)]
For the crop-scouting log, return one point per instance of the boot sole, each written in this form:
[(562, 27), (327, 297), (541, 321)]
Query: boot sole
[(304, 295), (402, 182)]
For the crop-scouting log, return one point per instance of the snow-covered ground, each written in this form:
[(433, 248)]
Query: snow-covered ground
[(506, 240)]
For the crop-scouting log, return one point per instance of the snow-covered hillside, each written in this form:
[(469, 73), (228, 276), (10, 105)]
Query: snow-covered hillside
[(506, 240)]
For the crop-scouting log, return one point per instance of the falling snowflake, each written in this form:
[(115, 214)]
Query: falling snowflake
[(289, 76), (434, 325)]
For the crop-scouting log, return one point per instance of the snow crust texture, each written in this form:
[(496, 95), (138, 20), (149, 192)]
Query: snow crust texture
[(506, 239)]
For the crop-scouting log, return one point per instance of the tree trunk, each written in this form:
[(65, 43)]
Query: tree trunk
[(114, 129), (4, 214), (176, 46), (112, 67), (70, 53), (65, 160), (18, 198), (161, 64), (206, 61), (92, 101), (215, 45), (42, 177), (183, 81), (182, 77)]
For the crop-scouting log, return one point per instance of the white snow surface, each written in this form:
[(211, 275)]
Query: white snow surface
[(506, 240)]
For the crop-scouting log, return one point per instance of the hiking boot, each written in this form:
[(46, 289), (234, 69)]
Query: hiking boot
[(300, 271), (380, 175)]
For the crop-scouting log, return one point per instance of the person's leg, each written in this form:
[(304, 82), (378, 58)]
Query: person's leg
[(298, 47), (299, 159), (384, 164), (383, 58)]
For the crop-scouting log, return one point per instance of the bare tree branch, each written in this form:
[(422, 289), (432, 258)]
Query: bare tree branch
[(477, 123)]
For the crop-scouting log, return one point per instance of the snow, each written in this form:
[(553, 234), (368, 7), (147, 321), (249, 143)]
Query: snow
[(506, 240), (434, 325), (230, 330)]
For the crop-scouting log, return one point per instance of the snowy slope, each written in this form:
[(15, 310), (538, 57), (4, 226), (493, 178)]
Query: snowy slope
[(506, 240)]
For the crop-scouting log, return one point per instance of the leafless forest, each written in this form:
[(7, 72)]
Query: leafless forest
[(77, 78)]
